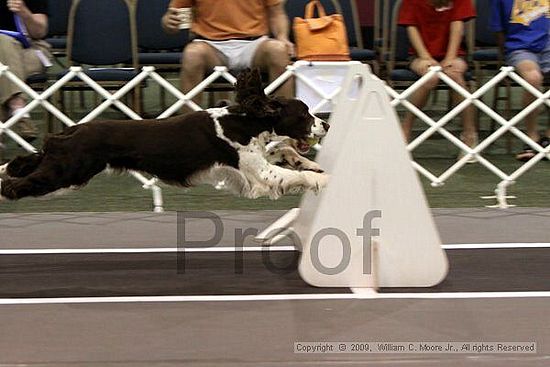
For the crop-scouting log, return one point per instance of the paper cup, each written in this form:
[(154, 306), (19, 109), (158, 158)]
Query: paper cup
[(185, 16)]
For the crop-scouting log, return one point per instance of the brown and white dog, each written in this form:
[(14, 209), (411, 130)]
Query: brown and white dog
[(220, 145)]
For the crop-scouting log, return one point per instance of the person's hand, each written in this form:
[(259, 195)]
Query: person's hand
[(289, 47), (17, 6), (427, 63), (170, 20), (447, 63)]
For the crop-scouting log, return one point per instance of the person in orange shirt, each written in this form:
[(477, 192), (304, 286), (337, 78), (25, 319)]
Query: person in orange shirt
[(233, 33)]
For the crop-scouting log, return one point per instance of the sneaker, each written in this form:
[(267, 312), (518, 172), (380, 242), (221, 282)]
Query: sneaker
[(544, 142), (26, 129), (461, 154), (223, 103), (527, 153)]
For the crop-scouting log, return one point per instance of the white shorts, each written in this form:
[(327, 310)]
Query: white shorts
[(236, 54)]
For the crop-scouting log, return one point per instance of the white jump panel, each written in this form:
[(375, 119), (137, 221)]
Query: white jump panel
[(373, 196)]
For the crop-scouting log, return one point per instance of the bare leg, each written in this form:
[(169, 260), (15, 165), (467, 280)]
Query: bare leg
[(272, 55), (469, 131), (530, 71), (420, 97), (199, 58)]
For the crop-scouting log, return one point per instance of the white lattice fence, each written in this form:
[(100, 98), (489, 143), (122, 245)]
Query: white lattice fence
[(325, 97), (475, 99)]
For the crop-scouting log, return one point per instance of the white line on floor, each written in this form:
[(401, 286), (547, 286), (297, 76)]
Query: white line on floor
[(272, 297), (491, 246), (122, 250)]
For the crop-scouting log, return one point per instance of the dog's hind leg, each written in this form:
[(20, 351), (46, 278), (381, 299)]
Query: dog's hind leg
[(47, 178), (4, 170)]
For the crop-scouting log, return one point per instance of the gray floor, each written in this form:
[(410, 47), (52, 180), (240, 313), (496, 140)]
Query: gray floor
[(259, 333), (146, 229)]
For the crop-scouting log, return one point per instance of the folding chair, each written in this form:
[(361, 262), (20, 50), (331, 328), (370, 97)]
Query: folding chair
[(156, 47), (357, 50), (486, 54), (57, 28), (102, 33)]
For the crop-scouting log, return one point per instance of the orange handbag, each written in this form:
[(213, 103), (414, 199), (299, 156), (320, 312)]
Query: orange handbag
[(320, 39)]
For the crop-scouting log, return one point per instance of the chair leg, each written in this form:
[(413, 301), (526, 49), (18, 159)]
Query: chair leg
[(49, 116), (507, 111), (59, 103), (508, 115), (162, 98), (82, 99), (137, 100)]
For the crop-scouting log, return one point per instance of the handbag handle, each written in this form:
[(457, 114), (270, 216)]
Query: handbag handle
[(310, 8)]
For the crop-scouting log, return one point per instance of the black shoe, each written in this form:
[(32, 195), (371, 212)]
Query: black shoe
[(544, 142), (529, 153), (223, 103)]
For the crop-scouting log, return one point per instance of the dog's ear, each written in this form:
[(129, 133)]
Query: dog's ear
[(249, 84), (251, 97)]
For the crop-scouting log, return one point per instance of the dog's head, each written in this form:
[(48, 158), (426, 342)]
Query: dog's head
[(287, 117)]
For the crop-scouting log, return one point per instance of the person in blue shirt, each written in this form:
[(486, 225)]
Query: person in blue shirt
[(523, 28)]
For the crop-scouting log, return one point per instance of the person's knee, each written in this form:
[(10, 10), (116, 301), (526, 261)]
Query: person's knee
[(460, 66), (194, 56), (457, 71), (7, 42), (276, 53), (533, 77)]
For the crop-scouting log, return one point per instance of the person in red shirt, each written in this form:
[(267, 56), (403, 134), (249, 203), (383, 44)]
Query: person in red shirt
[(435, 29)]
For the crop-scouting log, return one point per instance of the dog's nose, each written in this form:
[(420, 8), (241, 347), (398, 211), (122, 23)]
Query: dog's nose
[(325, 126)]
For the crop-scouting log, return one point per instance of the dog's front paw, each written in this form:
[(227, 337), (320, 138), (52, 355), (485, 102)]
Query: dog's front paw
[(311, 166), (316, 181)]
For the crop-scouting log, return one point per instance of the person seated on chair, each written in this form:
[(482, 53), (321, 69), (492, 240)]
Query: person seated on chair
[(522, 31), (435, 29), (233, 33), (23, 23)]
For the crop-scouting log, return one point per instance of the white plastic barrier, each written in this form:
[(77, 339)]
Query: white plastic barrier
[(326, 99), (371, 226)]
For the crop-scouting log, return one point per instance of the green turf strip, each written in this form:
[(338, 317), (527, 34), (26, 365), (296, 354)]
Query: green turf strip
[(120, 192)]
